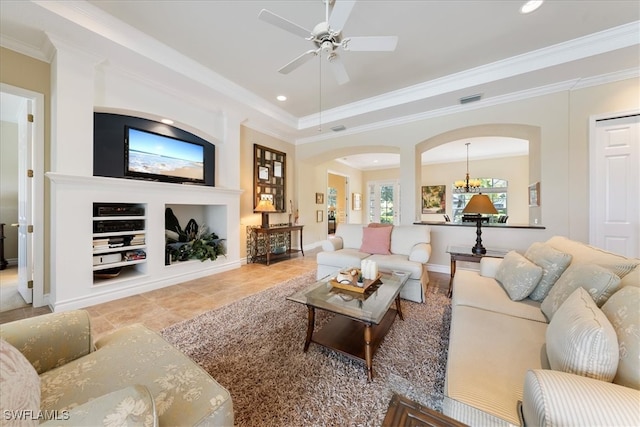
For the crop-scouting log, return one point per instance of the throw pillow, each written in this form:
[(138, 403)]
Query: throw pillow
[(19, 385), (518, 276), (598, 281), (580, 340), (622, 310), (553, 263), (376, 240)]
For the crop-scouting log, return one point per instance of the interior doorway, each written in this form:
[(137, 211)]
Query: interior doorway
[(23, 197), (337, 209)]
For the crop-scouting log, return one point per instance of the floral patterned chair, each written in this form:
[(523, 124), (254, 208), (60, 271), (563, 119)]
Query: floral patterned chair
[(51, 371)]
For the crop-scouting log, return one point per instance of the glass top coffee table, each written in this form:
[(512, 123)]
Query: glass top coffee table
[(367, 315)]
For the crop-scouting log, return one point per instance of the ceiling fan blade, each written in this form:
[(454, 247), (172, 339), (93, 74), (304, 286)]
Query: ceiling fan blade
[(298, 61), (338, 69), (285, 24), (370, 44), (340, 14)]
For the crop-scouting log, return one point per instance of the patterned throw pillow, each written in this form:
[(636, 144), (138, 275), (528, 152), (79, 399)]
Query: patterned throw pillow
[(518, 276), (623, 311), (553, 263), (598, 281), (19, 386), (580, 340)]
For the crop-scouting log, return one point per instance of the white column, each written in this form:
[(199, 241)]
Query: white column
[(410, 165), (72, 93)]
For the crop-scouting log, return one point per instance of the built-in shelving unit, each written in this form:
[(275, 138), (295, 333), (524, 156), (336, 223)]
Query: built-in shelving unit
[(119, 239)]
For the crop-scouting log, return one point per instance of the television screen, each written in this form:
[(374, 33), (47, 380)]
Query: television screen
[(164, 158)]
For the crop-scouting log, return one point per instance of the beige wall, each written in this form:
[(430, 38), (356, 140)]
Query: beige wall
[(561, 121), (28, 73), (249, 137), (9, 187)]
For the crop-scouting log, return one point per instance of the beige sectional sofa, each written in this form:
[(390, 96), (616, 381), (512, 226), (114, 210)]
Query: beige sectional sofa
[(51, 371), (570, 358), (408, 248)]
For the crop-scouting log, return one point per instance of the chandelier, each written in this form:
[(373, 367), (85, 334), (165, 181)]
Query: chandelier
[(467, 185)]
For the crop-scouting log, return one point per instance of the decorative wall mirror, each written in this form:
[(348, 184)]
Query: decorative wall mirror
[(269, 176)]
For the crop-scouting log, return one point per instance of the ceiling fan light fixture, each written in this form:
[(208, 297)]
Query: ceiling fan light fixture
[(531, 6)]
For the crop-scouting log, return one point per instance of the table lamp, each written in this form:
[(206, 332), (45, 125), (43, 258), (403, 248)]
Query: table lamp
[(479, 204), (265, 206)]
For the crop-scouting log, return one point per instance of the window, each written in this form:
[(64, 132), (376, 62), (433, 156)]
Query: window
[(495, 188)]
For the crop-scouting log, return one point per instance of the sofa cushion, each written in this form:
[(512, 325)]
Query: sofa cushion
[(553, 263), (351, 235), (342, 258), (19, 386), (398, 262), (183, 392), (376, 240), (405, 237), (598, 281), (473, 290), (485, 346), (586, 254), (518, 276), (580, 339), (622, 310)]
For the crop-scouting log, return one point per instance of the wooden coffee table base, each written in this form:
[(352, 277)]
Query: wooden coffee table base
[(406, 413), (355, 339)]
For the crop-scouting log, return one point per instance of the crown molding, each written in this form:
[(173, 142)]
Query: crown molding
[(567, 85), (100, 23), (572, 50)]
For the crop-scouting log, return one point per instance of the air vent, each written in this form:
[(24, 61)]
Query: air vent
[(338, 128), (470, 98)]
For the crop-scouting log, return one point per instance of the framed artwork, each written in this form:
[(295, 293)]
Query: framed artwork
[(356, 201), (534, 194), (269, 178), (318, 216), (263, 173), (277, 169), (434, 199), (319, 198)]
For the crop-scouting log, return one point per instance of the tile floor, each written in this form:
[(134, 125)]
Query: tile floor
[(163, 307)]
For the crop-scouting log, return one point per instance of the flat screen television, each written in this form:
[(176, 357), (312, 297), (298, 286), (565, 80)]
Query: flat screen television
[(150, 155)]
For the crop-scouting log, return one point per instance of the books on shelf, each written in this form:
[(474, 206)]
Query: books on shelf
[(134, 255)]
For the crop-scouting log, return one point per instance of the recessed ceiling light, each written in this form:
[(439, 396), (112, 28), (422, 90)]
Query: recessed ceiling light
[(281, 98), (167, 121), (530, 6)]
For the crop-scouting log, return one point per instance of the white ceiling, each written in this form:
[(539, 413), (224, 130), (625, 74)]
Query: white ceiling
[(447, 49)]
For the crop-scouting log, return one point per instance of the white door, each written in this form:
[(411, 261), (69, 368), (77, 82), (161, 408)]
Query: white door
[(383, 202), (615, 184), (25, 201)]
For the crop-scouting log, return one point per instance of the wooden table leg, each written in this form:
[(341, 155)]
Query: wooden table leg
[(301, 247), (368, 351), (453, 273), (310, 326), (399, 308)]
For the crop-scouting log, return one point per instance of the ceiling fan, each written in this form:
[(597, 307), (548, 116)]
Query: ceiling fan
[(328, 38)]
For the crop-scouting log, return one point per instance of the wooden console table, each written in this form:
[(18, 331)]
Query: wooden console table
[(464, 253), (266, 244)]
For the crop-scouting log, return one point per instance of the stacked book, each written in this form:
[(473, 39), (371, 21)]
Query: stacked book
[(100, 244), (137, 240), (134, 255)]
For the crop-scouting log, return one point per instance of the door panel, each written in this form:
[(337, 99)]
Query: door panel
[(616, 185)]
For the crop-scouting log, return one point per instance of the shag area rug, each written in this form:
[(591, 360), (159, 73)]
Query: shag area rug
[(254, 348)]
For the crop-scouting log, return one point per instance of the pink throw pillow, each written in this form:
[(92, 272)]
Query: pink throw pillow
[(376, 240)]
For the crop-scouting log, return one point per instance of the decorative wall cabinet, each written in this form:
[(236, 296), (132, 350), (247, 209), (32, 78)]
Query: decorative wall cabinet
[(269, 176)]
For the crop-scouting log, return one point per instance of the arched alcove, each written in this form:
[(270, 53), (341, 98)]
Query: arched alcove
[(520, 131)]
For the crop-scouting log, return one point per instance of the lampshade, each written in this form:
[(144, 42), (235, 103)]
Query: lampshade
[(480, 204), (265, 205)]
